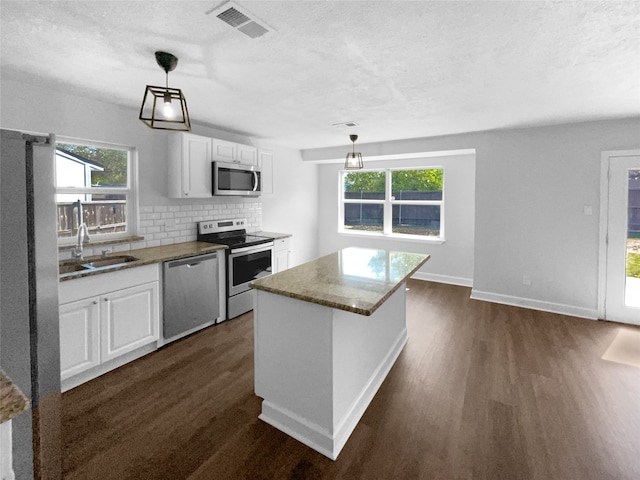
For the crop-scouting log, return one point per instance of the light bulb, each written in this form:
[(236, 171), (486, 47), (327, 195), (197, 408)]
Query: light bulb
[(167, 110)]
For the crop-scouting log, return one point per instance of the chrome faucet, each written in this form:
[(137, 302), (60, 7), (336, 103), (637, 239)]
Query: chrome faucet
[(83, 233)]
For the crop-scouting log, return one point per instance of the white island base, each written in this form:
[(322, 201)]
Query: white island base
[(318, 368)]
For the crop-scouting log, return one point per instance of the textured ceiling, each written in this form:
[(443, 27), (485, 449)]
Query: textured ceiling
[(400, 69)]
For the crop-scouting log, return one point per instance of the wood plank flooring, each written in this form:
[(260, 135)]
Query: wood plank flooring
[(481, 391)]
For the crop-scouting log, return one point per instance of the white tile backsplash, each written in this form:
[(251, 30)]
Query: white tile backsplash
[(166, 225), (177, 223)]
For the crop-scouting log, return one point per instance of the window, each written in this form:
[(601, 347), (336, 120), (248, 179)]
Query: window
[(101, 178), (398, 202)]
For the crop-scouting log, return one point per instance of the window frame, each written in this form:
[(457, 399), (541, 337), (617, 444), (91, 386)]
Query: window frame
[(388, 204), (130, 191)]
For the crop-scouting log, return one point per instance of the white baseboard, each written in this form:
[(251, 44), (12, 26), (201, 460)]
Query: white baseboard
[(589, 313), (318, 438), (433, 277), (300, 428)]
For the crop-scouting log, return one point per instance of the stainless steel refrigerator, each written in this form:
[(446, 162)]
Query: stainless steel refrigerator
[(29, 335)]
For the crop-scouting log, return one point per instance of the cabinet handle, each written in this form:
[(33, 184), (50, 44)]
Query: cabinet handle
[(106, 299), (95, 302)]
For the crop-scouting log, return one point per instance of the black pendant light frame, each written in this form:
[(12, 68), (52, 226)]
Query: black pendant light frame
[(354, 159), (155, 97)]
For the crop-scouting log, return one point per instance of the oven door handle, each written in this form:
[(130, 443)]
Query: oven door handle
[(255, 248)]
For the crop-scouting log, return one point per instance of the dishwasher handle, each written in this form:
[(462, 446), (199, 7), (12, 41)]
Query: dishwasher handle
[(191, 262)]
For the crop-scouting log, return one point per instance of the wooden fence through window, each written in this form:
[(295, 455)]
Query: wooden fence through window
[(100, 217)]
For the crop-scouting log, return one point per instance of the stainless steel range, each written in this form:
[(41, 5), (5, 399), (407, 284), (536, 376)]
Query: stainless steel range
[(247, 258)]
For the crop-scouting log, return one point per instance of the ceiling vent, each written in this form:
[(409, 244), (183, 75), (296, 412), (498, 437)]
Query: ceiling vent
[(345, 124), (241, 19)]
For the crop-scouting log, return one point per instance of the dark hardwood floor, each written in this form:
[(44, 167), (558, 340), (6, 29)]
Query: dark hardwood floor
[(481, 391)]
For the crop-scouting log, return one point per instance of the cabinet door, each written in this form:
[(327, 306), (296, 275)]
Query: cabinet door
[(281, 261), (79, 336), (223, 150), (247, 155), (281, 250), (130, 318), (196, 166), (265, 162)]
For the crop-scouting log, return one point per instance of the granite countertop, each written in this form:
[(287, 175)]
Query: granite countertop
[(354, 279), (12, 400), (147, 256), (273, 235)]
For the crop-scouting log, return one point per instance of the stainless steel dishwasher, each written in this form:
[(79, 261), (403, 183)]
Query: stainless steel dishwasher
[(191, 295)]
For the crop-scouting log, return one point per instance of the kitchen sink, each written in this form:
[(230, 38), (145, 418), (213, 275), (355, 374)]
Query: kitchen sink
[(66, 268), (70, 267), (110, 261)]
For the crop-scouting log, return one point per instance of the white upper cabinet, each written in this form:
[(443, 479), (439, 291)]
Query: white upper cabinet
[(265, 162), (247, 155), (190, 158), (224, 151), (189, 166), (234, 152)]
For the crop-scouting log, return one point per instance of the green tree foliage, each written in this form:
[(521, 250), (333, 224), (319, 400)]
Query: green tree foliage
[(633, 265), (114, 163), (417, 180), (405, 180), (364, 182)]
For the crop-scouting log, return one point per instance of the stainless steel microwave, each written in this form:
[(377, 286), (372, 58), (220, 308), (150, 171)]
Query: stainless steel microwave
[(235, 179)]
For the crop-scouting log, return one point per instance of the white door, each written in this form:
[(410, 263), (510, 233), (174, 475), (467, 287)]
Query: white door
[(622, 292)]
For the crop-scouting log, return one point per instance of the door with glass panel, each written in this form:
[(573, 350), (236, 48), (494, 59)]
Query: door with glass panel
[(622, 293)]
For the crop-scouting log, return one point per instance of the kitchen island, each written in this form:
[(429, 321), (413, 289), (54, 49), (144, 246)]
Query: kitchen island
[(326, 335)]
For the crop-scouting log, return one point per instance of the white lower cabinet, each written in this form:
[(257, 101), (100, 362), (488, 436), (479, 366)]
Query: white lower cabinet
[(79, 336), (101, 327), (281, 251), (129, 319)]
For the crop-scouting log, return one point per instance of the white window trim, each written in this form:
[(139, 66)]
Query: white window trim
[(388, 203), (131, 190)]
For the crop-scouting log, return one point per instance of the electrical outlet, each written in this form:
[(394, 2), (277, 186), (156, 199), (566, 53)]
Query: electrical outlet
[(526, 280)]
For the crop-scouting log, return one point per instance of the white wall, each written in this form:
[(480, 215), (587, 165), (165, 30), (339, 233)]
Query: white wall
[(531, 187), (450, 262), (39, 109), (293, 206)]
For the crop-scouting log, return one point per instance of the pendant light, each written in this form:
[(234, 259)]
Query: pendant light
[(354, 159), (165, 108)]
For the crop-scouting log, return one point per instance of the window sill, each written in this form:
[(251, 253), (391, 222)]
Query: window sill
[(70, 246), (393, 236)]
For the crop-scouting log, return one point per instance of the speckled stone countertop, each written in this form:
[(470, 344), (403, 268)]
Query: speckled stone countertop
[(354, 279), (12, 400), (147, 256), (273, 235)]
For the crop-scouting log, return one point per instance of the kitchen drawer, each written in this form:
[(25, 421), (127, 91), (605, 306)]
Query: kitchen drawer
[(78, 288)]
